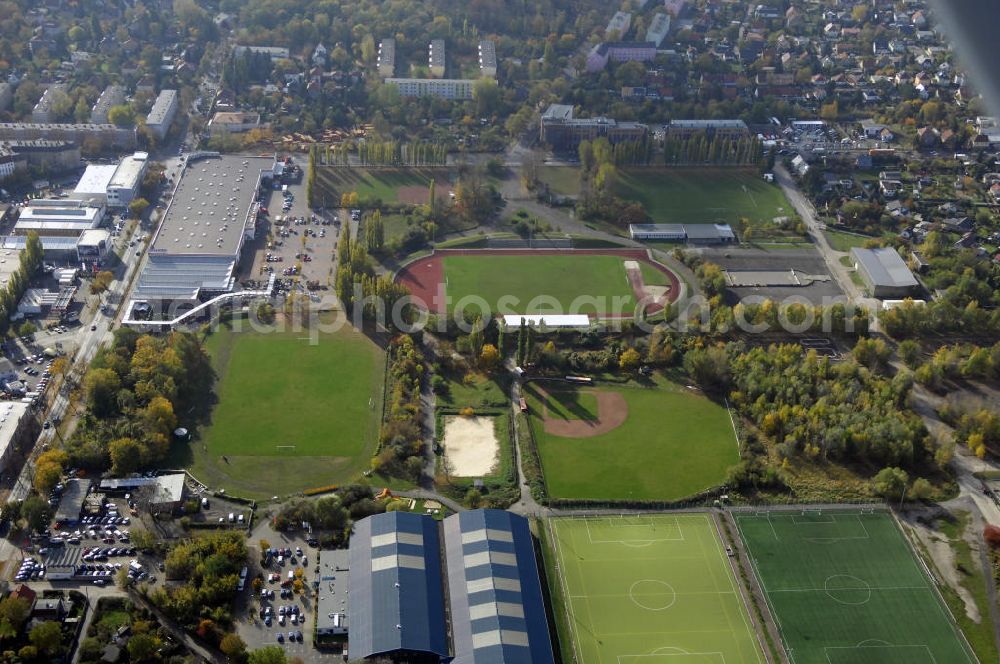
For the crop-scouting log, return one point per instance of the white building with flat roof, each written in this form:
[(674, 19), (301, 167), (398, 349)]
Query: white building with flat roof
[(658, 29), (442, 88), (387, 58), (618, 26), (93, 184), (17, 426), (161, 116), (487, 58), (113, 95), (436, 58), (125, 184), (59, 217), (197, 246)]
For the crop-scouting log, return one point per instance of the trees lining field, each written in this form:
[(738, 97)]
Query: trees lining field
[(278, 389), (674, 444), (703, 196)]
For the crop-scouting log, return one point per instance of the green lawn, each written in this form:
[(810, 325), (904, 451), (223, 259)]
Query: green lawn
[(558, 279), (378, 183), (841, 241), (652, 276), (478, 391), (845, 586), (562, 180), (291, 414), (646, 589), (675, 443), (704, 196)]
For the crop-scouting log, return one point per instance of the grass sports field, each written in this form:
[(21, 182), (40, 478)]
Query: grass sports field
[(647, 589), (389, 185), (563, 278), (704, 196), (619, 443), (290, 415), (845, 587)]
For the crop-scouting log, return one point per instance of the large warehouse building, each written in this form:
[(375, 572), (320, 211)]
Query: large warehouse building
[(396, 595), (491, 613), (884, 272), (197, 246)]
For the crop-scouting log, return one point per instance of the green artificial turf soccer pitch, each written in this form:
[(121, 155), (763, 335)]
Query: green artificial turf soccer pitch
[(675, 443), (704, 196), (646, 589), (561, 278), (845, 586), (290, 414)]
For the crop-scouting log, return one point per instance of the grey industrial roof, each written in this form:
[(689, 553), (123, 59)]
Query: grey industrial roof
[(73, 496), (334, 581), (397, 597), (11, 415), (705, 124), (708, 231), (167, 277), (497, 611), (487, 53), (436, 53), (210, 206), (885, 267), (558, 112)]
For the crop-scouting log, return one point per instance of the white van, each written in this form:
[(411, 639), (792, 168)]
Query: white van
[(232, 517)]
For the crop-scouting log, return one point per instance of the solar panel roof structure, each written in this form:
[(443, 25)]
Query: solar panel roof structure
[(396, 587), (497, 610)]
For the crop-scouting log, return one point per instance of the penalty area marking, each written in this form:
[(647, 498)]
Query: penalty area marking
[(636, 542), (845, 657), (653, 657)]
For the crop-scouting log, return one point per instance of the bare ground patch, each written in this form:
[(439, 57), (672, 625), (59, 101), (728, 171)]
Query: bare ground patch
[(471, 448), (420, 194), (655, 295), (612, 411)]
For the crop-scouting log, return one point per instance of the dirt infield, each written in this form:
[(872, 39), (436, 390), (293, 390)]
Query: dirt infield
[(424, 277), (470, 446), (612, 411)]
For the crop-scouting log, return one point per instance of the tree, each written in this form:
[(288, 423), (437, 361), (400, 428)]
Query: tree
[(629, 360), (330, 514), (268, 655), (125, 456), (473, 499), (46, 477), (26, 329), (14, 611), (47, 637), (101, 388), (489, 357), (921, 489), (233, 647), (36, 513), (121, 116), (102, 281), (142, 647), (137, 207), (708, 367), (891, 483)]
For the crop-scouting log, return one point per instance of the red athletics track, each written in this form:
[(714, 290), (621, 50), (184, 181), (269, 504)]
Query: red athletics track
[(424, 276)]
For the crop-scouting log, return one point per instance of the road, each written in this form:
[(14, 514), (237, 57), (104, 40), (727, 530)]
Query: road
[(815, 229), (87, 342)]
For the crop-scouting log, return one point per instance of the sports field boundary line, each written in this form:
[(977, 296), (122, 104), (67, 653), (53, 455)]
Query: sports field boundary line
[(758, 579), (568, 602), (826, 649), (736, 585), (721, 655), (736, 434), (942, 605)]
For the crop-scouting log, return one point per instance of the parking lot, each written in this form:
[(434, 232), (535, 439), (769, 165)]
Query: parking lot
[(294, 244), (804, 260)]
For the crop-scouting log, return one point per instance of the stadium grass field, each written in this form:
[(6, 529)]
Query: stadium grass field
[(560, 278), (290, 415), (674, 443), (704, 196), (646, 589), (845, 587)]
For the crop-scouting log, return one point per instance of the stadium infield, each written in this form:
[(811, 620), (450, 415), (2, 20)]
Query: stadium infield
[(542, 281), (845, 587), (647, 589)]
